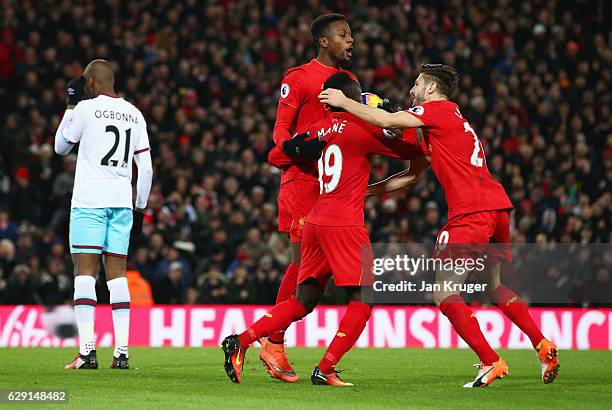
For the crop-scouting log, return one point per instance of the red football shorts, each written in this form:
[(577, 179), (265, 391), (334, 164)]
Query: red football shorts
[(343, 252), (295, 200), (475, 234)]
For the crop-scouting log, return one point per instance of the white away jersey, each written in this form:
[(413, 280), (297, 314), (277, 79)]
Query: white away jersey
[(110, 131)]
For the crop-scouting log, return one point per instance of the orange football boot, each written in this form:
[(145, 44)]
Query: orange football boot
[(488, 374), (274, 359), (549, 360), (234, 357)]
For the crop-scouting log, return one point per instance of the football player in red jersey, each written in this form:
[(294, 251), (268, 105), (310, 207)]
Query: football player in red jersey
[(335, 240), (478, 209), (298, 108)]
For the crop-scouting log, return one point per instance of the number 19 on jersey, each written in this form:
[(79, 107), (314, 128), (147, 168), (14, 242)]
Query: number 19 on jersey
[(330, 165)]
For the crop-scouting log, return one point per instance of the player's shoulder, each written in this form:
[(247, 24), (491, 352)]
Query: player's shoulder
[(126, 106), (297, 72), (432, 106), (445, 105), (433, 112), (292, 80), (84, 105), (132, 107)]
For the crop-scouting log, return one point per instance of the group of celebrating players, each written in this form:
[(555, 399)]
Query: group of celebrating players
[(324, 136)]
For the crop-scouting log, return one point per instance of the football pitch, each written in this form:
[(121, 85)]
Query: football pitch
[(383, 378)]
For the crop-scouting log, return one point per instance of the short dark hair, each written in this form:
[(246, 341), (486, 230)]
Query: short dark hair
[(444, 75), (343, 82), (320, 25)]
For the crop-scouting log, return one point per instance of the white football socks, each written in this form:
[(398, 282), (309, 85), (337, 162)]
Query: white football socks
[(120, 302), (85, 307)]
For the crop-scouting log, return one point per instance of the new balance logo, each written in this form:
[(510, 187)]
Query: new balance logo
[(340, 334), (268, 315)]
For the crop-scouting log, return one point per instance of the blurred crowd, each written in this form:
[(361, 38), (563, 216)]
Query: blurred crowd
[(535, 84)]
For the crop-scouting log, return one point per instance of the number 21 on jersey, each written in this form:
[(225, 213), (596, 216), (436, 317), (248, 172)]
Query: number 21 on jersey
[(330, 165), (106, 160)]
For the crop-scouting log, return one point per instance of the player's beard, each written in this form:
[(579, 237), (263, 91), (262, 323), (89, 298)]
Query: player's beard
[(418, 98), (346, 64)]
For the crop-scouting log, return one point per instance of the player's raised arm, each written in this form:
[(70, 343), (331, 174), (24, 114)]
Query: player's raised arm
[(401, 180), (62, 145), (374, 116), (71, 127)]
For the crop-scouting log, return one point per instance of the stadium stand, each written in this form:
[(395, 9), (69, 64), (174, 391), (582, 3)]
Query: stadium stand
[(535, 83)]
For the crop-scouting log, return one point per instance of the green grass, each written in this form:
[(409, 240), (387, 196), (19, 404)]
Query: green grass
[(383, 378)]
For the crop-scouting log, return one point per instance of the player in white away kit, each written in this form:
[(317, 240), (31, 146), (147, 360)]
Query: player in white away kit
[(111, 133)]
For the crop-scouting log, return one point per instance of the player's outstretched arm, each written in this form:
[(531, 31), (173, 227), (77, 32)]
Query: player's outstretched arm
[(375, 116), (401, 180)]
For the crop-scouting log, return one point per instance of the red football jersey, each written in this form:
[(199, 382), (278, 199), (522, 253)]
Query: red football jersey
[(458, 160), (344, 166), (300, 89)]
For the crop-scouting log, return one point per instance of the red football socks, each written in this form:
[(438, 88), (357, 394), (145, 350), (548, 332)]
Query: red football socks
[(515, 310), (280, 317), (352, 324), (466, 325), (285, 291)]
